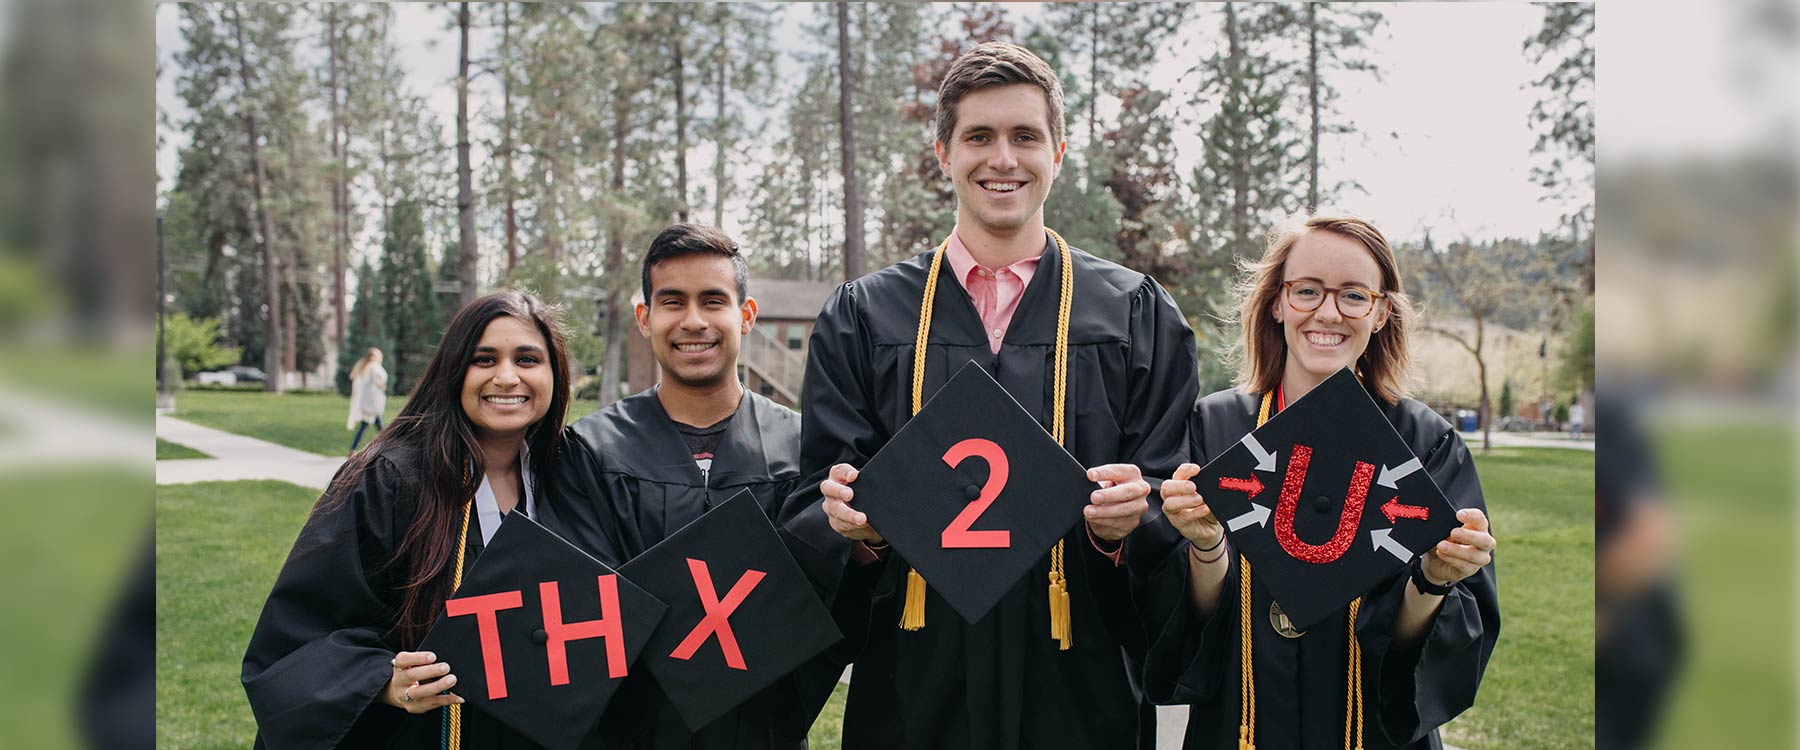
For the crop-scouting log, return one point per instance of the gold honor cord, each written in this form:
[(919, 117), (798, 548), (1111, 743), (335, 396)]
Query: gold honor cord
[(912, 616), (452, 734), (1353, 706)]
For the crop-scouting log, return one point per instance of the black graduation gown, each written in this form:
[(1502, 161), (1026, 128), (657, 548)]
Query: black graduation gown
[(1000, 683), (624, 482), (1300, 682), (320, 655)]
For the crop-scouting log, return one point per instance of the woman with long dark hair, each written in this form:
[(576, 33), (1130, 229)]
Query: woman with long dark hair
[(1405, 657), (331, 663)]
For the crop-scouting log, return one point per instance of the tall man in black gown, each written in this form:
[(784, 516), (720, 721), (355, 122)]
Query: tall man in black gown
[(1002, 682), (640, 469)]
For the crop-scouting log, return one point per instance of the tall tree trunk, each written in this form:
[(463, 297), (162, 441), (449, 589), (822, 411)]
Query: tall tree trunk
[(465, 191), (719, 159), (1312, 97), (1093, 75), (272, 346), (506, 147), (1240, 178), (681, 115), (338, 193), (615, 260), (853, 199)]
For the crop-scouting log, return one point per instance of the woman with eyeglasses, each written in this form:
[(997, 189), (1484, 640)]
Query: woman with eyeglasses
[(1325, 295)]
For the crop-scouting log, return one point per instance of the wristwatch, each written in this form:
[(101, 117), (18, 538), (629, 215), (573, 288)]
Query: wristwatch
[(1424, 584)]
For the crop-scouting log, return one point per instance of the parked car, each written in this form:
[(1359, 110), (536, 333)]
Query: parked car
[(248, 374), (232, 376)]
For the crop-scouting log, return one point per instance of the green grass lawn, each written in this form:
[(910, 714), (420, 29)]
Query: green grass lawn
[(1732, 486), (1539, 688), (219, 546), (167, 451), (75, 534), (308, 421), (119, 384)]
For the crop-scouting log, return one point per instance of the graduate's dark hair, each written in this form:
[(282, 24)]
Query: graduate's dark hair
[(433, 441), (997, 64), (696, 239), (1261, 350)]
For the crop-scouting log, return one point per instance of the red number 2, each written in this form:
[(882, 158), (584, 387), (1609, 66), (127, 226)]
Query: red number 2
[(958, 535)]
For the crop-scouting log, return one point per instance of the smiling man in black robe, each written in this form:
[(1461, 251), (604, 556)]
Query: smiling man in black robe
[(640, 469), (999, 299)]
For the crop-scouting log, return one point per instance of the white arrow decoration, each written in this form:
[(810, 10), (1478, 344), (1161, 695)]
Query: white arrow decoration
[(1384, 539), (1390, 476), (1265, 460), (1258, 515)]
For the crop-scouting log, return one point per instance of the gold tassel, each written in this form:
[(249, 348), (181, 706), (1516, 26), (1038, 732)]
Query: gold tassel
[(1060, 626), (913, 616)]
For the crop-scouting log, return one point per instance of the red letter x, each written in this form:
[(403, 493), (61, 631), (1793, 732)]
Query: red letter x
[(717, 614), (484, 608), (609, 627)]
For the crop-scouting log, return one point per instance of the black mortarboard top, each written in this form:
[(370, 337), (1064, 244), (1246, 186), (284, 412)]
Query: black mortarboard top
[(972, 492), (499, 633), (741, 613), (1287, 494)]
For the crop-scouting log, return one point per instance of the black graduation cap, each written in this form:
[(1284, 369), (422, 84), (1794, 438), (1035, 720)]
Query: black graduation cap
[(1325, 499), (741, 613), (540, 635), (972, 491)]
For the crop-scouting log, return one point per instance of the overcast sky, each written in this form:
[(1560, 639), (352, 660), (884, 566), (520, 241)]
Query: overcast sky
[(1443, 137)]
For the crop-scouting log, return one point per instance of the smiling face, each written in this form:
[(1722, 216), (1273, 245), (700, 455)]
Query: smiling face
[(1323, 341), (694, 320), (507, 386), (1001, 160)]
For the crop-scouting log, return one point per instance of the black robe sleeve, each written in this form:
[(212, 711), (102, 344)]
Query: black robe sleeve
[(577, 506), (1419, 689), (1161, 369), (838, 425), (318, 659)]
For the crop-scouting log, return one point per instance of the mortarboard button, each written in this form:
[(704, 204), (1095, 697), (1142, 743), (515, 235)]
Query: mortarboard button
[(741, 613), (972, 492), (1377, 508), (527, 584)]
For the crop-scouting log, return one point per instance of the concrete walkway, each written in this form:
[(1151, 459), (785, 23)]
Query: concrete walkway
[(42, 431), (1531, 440), (236, 457)]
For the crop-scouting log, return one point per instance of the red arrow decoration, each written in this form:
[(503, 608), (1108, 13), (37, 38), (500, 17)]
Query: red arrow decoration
[(1395, 511), (1252, 486)]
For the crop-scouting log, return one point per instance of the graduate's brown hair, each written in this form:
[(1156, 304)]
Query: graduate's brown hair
[(997, 64), (1261, 351), (432, 439)]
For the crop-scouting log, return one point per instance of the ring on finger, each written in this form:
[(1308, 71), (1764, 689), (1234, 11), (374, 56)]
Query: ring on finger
[(406, 695)]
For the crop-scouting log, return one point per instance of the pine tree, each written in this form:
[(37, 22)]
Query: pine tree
[(407, 294)]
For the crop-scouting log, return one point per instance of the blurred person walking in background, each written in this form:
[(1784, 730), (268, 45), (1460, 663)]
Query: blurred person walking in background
[(368, 395)]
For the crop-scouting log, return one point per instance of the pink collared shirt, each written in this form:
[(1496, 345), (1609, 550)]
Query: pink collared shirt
[(995, 291)]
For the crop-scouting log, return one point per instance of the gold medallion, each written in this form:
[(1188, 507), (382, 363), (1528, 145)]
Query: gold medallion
[(1280, 622)]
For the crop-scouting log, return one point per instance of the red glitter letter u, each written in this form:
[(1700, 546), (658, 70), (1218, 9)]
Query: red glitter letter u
[(1348, 520)]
